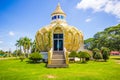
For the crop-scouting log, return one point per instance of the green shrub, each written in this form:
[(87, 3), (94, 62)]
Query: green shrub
[(22, 58), (72, 56), (17, 53), (35, 57), (105, 53), (83, 56), (95, 50), (98, 56), (105, 56)]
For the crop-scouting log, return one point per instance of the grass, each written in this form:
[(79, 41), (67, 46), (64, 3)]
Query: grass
[(16, 70)]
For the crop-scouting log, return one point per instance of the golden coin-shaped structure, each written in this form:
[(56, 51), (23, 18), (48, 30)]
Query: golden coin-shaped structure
[(58, 39)]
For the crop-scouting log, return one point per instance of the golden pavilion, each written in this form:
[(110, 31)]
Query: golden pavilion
[(58, 39)]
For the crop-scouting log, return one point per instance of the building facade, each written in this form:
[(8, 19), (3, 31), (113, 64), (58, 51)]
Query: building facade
[(58, 39)]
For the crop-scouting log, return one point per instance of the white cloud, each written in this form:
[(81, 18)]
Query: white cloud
[(88, 20), (1, 42), (11, 33), (108, 6)]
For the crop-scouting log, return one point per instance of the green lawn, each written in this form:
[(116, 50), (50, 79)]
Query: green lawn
[(16, 70)]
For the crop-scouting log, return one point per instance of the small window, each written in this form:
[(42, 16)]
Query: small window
[(54, 17), (62, 17), (58, 17)]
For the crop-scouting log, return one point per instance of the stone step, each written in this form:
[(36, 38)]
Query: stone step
[(58, 61), (58, 57), (58, 52), (57, 65)]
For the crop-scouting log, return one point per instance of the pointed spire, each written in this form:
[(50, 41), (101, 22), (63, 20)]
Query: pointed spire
[(58, 4), (58, 10)]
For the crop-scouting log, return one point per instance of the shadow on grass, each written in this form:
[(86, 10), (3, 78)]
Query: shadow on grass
[(32, 62), (82, 62), (116, 58), (87, 62), (101, 61), (78, 62)]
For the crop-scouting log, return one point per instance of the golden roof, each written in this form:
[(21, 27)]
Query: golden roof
[(58, 10), (73, 38)]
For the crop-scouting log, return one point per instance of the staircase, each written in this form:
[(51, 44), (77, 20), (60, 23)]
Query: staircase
[(58, 60)]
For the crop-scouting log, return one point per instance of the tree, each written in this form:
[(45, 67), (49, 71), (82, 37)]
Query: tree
[(19, 44), (105, 53), (34, 47), (109, 38), (89, 43), (17, 53), (97, 56), (22, 57), (95, 50), (35, 57), (24, 42), (83, 56), (73, 54)]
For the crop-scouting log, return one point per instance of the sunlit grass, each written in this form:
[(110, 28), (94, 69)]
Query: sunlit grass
[(16, 70)]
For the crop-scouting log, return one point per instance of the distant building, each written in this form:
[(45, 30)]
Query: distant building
[(114, 53)]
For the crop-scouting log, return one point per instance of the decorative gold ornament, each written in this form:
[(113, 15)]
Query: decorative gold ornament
[(58, 10)]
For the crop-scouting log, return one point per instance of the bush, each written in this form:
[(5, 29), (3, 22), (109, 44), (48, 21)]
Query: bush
[(35, 57), (95, 50), (22, 57), (83, 56), (17, 53), (72, 56), (105, 53), (98, 56), (105, 56)]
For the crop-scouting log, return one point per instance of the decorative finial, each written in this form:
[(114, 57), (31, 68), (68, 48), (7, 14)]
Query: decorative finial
[(58, 4), (58, 10)]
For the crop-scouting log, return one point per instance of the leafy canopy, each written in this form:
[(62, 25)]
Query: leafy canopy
[(109, 38)]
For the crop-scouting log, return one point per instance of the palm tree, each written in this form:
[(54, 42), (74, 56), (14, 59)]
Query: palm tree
[(26, 44), (19, 44), (33, 46)]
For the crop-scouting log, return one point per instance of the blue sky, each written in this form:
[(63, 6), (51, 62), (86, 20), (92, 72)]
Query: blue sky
[(19, 18)]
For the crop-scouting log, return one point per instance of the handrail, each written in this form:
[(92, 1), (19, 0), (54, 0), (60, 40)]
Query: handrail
[(66, 56), (64, 53), (50, 55)]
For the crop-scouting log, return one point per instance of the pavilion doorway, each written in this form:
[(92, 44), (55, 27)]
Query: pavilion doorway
[(58, 42)]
